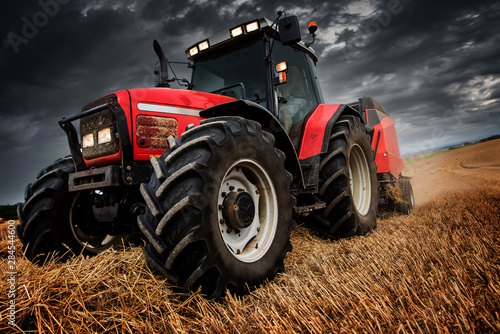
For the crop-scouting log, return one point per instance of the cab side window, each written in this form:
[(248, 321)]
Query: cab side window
[(296, 97)]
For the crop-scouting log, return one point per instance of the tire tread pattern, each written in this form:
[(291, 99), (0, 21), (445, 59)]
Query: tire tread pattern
[(179, 246), (340, 218), (36, 231)]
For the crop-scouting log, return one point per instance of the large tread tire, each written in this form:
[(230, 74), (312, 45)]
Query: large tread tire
[(406, 188), (182, 220), (351, 210), (46, 229), (47, 205)]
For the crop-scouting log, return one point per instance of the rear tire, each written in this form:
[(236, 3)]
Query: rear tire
[(347, 182), (219, 208)]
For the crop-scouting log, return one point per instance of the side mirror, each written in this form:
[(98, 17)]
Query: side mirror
[(289, 30)]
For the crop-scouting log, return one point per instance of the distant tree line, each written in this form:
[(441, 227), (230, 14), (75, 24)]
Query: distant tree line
[(497, 136), (467, 143)]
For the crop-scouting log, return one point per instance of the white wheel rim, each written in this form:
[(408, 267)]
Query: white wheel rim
[(359, 179), (252, 242)]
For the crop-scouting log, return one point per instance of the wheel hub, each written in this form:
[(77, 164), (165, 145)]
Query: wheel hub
[(238, 209), (247, 210)]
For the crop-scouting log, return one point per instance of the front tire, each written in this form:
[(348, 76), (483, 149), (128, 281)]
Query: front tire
[(59, 223), (347, 182), (219, 208)]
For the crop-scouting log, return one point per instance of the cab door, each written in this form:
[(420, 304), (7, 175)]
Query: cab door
[(299, 96)]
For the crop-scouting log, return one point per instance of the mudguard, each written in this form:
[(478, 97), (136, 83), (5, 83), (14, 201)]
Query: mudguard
[(385, 143), (384, 140), (318, 127), (315, 138), (253, 111)]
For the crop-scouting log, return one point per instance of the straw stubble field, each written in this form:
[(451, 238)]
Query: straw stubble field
[(434, 271)]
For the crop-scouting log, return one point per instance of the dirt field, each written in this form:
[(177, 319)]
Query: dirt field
[(462, 169)]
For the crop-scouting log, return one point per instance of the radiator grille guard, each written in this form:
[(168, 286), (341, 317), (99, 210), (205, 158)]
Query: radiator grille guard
[(94, 123)]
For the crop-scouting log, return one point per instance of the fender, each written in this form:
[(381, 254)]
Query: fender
[(255, 112), (385, 143), (318, 126), (316, 137), (384, 140)]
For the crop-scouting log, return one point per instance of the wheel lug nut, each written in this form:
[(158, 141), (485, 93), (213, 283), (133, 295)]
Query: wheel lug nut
[(231, 188), (224, 194), (237, 231), (222, 221), (241, 189), (221, 206), (229, 230)]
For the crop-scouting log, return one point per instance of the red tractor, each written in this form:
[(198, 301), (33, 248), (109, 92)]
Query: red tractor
[(214, 176)]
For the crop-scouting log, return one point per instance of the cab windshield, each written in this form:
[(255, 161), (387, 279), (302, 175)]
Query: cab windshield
[(239, 73)]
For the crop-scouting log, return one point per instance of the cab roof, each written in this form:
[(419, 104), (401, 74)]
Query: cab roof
[(239, 33)]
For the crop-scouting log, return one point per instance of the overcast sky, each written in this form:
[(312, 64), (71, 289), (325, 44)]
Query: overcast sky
[(435, 65)]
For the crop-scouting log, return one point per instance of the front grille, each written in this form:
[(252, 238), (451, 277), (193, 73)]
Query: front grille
[(93, 124), (153, 131)]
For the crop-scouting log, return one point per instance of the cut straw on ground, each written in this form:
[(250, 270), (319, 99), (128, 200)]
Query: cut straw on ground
[(434, 271)]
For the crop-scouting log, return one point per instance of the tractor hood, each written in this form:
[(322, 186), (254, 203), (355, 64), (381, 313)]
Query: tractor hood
[(157, 113), (139, 122), (175, 101)]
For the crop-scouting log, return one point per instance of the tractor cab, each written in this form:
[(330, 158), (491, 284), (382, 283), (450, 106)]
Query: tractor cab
[(254, 62)]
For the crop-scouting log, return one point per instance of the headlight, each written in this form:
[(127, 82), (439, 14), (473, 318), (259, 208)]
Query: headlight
[(99, 132), (88, 140), (104, 136), (193, 51), (252, 26), (281, 67), (236, 31), (203, 45)]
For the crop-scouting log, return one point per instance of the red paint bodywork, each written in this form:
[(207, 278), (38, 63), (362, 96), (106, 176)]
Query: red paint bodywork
[(128, 100), (314, 133), (388, 158)]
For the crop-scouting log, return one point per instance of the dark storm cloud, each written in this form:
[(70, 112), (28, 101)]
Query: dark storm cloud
[(425, 62), (434, 64)]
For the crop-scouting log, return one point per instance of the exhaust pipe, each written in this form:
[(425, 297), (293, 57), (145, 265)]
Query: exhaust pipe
[(163, 82)]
